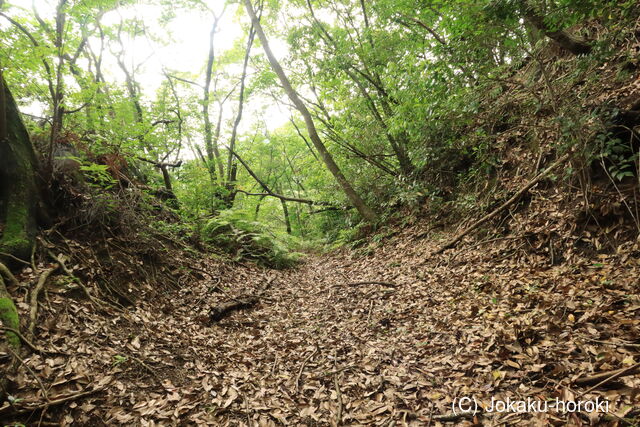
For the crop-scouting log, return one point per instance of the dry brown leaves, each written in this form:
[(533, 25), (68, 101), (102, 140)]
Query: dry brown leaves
[(497, 321)]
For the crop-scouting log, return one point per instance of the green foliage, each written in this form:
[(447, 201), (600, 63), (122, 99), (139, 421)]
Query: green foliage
[(618, 157), (246, 239), (98, 175), (408, 96)]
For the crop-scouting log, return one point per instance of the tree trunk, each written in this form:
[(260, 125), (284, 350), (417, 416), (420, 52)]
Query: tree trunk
[(232, 167), (367, 213), (18, 189), (211, 143), (285, 213), (566, 40)]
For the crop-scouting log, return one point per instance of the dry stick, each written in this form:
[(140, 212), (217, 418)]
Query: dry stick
[(304, 362), (607, 376), (505, 205), (339, 397), (452, 417), (33, 312), (622, 343)]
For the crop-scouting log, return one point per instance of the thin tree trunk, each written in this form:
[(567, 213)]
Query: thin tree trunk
[(232, 168), (285, 213), (367, 213), (211, 146)]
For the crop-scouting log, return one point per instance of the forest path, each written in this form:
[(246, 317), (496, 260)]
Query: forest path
[(323, 348)]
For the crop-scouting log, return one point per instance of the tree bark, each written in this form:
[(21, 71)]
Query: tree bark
[(211, 144), (367, 213), (18, 188), (566, 40)]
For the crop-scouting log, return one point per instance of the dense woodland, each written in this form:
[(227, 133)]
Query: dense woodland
[(318, 212)]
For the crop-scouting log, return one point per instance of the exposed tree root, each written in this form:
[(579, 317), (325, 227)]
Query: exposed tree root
[(6, 273), (33, 299)]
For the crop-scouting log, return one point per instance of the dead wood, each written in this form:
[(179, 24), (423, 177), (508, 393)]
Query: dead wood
[(223, 310), (605, 377), (336, 382), (452, 417), (505, 205)]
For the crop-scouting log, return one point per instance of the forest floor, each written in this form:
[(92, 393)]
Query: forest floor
[(325, 347)]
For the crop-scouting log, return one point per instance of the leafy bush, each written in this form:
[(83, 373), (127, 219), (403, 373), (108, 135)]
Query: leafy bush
[(246, 239)]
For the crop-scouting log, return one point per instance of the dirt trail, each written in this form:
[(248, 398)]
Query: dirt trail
[(319, 350)]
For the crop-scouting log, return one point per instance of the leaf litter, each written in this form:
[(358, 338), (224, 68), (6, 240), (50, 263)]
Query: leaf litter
[(497, 321)]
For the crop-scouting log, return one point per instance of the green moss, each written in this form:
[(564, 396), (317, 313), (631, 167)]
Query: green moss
[(9, 317)]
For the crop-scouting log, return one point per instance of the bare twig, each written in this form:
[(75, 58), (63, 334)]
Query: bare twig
[(370, 310), (339, 398), (371, 282), (33, 374)]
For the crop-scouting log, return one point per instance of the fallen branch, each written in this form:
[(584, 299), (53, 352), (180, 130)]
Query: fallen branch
[(33, 374), (339, 398), (505, 205), (605, 377), (221, 311), (452, 417)]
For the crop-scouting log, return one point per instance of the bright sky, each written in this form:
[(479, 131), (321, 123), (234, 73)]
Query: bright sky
[(186, 51)]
